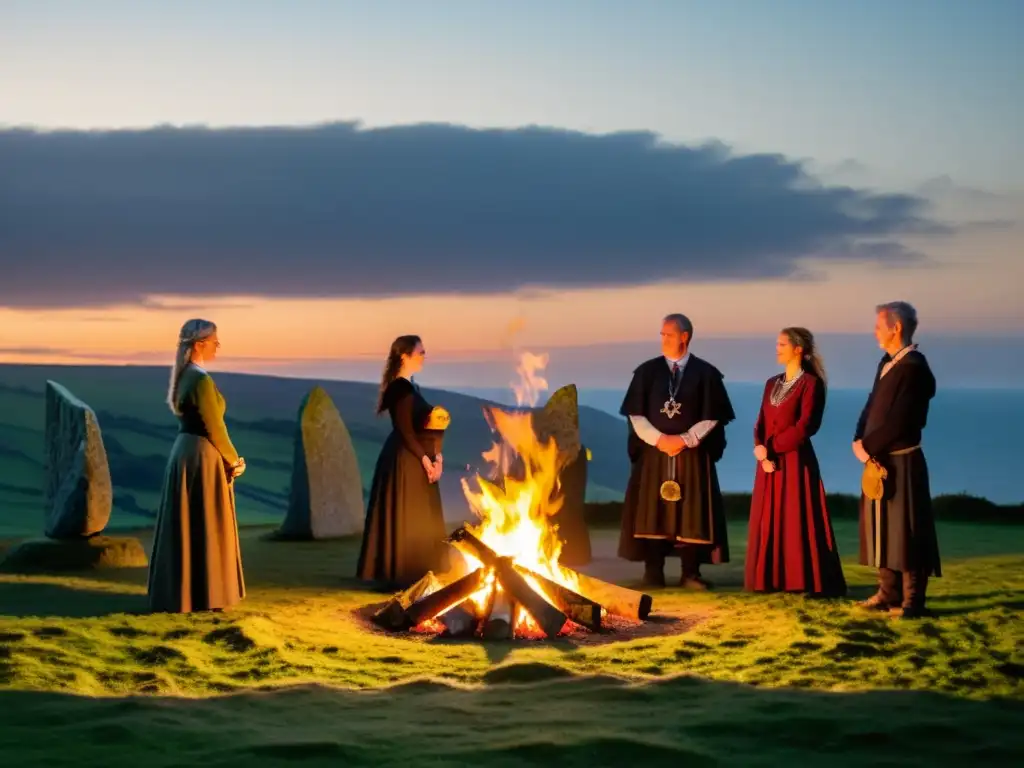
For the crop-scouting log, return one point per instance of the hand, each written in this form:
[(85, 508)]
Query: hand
[(859, 452), (438, 468), (428, 467), (238, 469), (760, 453), (767, 466), (671, 444)]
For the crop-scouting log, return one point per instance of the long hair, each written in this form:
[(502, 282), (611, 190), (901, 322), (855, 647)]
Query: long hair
[(811, 361), (192, 331), (403, 345)]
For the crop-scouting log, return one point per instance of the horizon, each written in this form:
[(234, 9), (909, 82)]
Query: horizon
[(445, 381)]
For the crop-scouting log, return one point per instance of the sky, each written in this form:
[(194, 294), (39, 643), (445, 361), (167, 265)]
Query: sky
[(319, 177)]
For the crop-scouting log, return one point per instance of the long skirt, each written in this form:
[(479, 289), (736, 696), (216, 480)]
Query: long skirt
[(791, 546), (653, 528), (898, 532), (404, 534), (196, 563)]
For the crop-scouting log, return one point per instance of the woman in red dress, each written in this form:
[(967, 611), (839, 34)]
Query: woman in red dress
[(790, 545)]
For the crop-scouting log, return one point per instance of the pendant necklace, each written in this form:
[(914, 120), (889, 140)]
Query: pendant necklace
[(783, 387), (671, 408)]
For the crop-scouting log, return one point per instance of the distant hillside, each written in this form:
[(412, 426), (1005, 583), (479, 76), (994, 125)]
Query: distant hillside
[(138, 431)]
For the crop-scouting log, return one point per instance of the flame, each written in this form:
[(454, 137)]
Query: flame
[(530, 383), (515, 509)]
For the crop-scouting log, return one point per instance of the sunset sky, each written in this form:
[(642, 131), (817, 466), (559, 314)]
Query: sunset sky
[(752, 164)]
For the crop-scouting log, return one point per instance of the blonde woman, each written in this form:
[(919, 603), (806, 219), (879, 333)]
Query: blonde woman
[(196, 563)]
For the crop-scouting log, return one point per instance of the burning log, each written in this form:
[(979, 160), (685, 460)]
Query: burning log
[(429, 606), (500, 623), (460, 621), (577, 607), (548, 618), (620, 601), (392, 615)]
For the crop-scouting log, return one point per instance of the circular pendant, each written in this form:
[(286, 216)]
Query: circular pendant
[(670, 491)]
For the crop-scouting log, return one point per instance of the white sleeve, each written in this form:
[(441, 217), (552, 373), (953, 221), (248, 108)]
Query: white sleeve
[(698, 432), (645, 430)]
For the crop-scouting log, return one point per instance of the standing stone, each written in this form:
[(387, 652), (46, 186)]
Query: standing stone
[(78, 491), (326, 498), (560, 419)]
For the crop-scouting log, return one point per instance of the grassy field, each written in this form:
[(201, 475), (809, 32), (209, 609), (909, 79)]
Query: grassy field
[(294, 676), (138, 431)]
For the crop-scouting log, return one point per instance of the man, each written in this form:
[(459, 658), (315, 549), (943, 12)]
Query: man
[(677, 409), (897, 532)]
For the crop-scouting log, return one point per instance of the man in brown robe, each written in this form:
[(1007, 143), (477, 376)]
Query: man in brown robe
[(897, 532), (677, 409)]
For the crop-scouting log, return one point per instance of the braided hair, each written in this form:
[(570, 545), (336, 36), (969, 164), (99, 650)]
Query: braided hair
[(403, 345), (191, 332), (811, 361)]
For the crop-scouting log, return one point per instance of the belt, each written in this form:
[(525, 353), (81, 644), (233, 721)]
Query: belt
[(904, 451)]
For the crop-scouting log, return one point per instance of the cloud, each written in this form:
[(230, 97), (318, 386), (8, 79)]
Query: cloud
[(67, 352), (944, 187), (95, 218)]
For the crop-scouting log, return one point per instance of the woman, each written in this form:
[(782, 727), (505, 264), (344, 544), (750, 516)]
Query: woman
[(403, 537), (790, 545), (196, 563)]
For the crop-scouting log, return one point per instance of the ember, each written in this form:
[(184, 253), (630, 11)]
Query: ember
[(508, 581)]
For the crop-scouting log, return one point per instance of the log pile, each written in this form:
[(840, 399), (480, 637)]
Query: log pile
[(445, 603)]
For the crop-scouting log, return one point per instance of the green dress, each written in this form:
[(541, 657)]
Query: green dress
[(196, 564)]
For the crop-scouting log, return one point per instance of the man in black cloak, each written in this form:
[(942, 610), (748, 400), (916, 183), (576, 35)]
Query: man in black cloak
[(677, 408), (897, 530)]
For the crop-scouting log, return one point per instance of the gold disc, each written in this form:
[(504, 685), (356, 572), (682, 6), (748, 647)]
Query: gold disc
[(670, 491)]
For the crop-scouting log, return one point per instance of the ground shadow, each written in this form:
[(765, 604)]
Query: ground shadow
[(527, 714), (32, 599), (1013, 601)]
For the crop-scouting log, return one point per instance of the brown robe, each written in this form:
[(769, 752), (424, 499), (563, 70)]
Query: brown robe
[(404, 534), (898, 533), (196, 564)]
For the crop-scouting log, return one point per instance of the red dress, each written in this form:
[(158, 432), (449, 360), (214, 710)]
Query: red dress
[(790, 545)]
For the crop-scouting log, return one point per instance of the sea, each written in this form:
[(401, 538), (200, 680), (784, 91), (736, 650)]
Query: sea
[(973, 441)]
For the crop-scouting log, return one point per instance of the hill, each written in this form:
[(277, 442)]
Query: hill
[(138, 431)]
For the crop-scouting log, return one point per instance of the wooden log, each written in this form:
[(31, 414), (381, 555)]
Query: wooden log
[(392, 615), (429, 606), (500, 624), (547, 617), (578, 608), (460, 620), (621, 601)]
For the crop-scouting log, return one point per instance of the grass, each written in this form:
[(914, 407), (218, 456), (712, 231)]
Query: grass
[(292, 676)]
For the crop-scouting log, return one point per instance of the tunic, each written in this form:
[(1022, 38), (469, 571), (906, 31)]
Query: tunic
[(649, 523), (898, 532), (404, 533), (790, 544), (196, 564)]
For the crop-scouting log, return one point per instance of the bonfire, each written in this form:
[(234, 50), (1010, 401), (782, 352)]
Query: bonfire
[(506, 580)]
